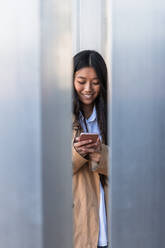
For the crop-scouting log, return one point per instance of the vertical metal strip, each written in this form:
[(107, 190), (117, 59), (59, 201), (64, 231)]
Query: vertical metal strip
[(56, 69), (20, 167), (137, 137), (108, 59), (76, 25)]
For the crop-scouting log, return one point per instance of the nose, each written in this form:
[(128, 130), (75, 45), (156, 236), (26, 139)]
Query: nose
[(88, 87)]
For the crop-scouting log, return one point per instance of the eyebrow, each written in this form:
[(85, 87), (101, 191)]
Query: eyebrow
[(85, 77)]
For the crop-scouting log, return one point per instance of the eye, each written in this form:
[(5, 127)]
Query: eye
[(96, 83), (81, 82)]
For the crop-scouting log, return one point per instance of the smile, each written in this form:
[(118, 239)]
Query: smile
[(88, 96)]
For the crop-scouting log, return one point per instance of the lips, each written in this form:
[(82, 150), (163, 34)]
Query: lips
[(88, 96)]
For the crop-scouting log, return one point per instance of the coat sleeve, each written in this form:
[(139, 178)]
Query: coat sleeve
[(102, 166), (77, 160)]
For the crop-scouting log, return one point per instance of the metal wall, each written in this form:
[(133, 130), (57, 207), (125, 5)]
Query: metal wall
[(56, 82), (89, 22), (20, 167), (34, 118), (138, 124)]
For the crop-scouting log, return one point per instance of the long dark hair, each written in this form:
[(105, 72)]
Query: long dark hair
[(91, 58)]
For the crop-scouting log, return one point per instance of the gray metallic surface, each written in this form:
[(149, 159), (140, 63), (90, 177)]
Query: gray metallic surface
[(20, 167), (138, 124), (56, 123), (89, 25)]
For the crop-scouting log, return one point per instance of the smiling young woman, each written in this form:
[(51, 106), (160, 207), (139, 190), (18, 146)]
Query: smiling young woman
[(89, 160)]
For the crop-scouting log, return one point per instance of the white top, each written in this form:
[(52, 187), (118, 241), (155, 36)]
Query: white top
[(92, 126)]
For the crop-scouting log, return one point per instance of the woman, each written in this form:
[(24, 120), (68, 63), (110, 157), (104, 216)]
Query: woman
[(89, 159)]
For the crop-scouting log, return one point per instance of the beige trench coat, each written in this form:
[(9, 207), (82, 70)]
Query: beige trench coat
[(86, 196)]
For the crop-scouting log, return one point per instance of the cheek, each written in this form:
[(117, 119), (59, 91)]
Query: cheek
[(98, 90), (77, 87)]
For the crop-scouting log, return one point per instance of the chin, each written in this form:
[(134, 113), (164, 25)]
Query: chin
[(87, 102)]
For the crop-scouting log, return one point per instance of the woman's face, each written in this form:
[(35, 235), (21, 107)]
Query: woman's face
[(87, 85)]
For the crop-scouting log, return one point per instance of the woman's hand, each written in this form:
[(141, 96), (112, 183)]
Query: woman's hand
[(87, 147), (82, 146)]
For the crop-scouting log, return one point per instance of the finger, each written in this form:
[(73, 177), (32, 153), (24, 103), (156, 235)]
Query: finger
[(94, 145), (89, 150), (82, 143), (81, 152), (92, 149), (76, 139)]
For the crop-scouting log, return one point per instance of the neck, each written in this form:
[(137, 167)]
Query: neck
[(88, 109)]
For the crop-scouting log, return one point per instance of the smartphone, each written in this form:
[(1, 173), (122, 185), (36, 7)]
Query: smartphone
[(89, 136)]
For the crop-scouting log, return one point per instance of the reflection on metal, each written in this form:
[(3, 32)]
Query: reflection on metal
[(20, 165), (56, 71), (138, 130), (89, 25)]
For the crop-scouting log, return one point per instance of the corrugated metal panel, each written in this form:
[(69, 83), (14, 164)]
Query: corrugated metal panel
[(56, 123), (138, 126), (20, 167)]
